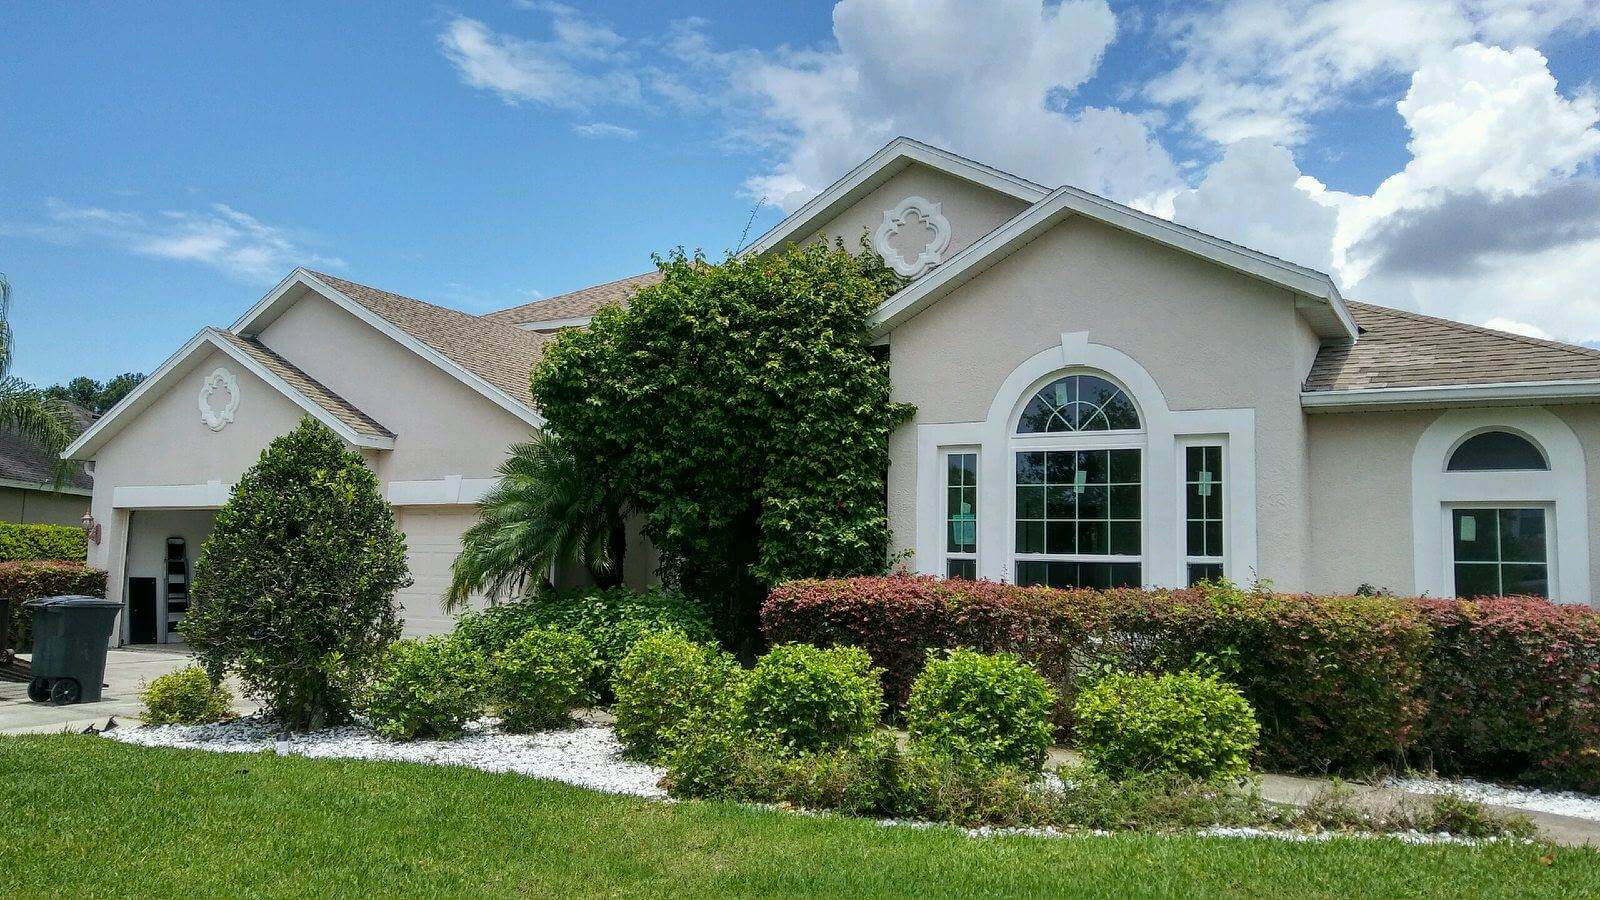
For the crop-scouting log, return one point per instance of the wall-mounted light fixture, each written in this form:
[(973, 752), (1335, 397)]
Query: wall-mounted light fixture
[(91, 528)]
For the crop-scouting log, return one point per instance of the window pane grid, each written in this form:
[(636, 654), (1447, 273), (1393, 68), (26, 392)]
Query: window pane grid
[(961, 515), (1079, 517), (1204, 543), (1499, 552)]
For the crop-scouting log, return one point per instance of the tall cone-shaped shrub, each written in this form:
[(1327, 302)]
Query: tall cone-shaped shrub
[(294, 590)]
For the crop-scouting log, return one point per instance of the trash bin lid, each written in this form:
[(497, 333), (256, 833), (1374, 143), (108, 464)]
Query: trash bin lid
[(73, 600)]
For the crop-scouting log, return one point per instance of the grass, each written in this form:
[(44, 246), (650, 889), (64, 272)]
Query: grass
[(86, 817)]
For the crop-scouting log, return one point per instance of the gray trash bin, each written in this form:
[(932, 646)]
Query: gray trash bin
[(70, 638)]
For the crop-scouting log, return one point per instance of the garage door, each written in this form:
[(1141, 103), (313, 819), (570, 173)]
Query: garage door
[(433, 537)]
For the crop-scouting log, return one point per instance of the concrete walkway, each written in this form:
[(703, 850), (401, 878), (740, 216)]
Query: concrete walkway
[(128, 669)]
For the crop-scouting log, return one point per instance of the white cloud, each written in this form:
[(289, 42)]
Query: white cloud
[(221, 237), (583, 65), (986, 80), (603, 130), (1260, 68)]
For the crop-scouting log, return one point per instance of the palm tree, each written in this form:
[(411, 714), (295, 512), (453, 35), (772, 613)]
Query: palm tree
[(25, 409), (549, 509)]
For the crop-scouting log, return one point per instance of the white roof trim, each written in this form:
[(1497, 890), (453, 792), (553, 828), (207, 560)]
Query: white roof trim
[(268, 304), (148, 390), (877, 169), (553, 324), (45, 486), (1575, 390), (1064, 201)]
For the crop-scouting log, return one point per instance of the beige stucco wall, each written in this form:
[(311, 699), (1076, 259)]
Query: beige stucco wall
[(1585, 422), (973, 210), (442, 427), (1210, 338), (41, 507)]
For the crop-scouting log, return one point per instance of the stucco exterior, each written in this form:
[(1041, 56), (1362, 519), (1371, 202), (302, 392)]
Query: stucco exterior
[(1082, 276), (973, 211)]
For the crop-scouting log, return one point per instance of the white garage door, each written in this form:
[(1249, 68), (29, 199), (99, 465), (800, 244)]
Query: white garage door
[(433, 537)]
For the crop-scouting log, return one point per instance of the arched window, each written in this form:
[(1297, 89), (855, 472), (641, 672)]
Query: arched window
[(1078, 403), (1497, 451)]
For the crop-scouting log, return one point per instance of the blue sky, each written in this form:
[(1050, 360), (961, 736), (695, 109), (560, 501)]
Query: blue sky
[(164, 165)]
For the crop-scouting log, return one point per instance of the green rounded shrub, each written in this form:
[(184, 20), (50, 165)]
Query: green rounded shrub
[(539, 677), (427, 687), (661, 682), (987, 710), (805, 699), (610, 620), (1181, 722), (185, 697)]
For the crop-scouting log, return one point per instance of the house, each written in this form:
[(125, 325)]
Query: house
[(32, 490), (1103, 398)]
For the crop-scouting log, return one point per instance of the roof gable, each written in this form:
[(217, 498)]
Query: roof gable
[(1320, 301), (322, 404), (491, 357), (574, 308), (878, 169)]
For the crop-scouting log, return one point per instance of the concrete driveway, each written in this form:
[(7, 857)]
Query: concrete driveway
[(127, 670)]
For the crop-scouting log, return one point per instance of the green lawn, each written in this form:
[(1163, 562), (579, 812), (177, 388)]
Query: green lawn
[(82, 816)]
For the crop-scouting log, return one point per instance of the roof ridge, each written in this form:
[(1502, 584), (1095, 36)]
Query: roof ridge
[(447, 309), (1580, 350)]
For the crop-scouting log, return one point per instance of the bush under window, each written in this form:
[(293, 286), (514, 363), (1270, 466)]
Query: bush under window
[(804, 698), (1180, 722), (987, 710)]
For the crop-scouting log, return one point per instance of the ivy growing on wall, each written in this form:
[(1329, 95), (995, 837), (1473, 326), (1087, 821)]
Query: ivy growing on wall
[(742, 406)]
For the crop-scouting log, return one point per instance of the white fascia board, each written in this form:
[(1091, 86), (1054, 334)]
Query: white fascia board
[(1561, 391), (1066, 201), (448, 491), (267, 308), (176, 365), (208, 495), (878, 168), (556, 324), (44, 486)]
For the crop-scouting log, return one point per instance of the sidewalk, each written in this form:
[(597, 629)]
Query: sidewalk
[(127, 670)]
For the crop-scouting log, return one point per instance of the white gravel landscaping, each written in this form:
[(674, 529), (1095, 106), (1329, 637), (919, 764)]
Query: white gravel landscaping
[(1561, 803), (586, 755)]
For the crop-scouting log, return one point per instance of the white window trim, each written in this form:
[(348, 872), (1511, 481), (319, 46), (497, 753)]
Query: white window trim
[(1163, 562), (1182, 475), (1563, 489), (944, 503)]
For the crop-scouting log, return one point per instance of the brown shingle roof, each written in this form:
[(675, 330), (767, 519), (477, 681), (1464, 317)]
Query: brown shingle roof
[(313, 390), (1404, 349), (500, 354), (22, 459), (575, 304)]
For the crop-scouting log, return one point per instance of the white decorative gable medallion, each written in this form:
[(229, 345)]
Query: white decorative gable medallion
[(913, 236), (219, 399)]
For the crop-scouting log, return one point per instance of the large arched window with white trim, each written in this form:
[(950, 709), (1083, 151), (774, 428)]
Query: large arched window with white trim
[(1077, 460)]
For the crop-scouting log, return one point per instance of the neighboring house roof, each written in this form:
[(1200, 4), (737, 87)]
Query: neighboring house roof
[(501, 354), (574, 308), (310, 388), (1408, 357), (23, 463), (354, 426)]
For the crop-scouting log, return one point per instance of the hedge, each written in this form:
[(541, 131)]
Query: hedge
[(1500, 687), (18, 542), (32, 579)]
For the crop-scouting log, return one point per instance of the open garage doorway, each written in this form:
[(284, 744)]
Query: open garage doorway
[(163, 545)]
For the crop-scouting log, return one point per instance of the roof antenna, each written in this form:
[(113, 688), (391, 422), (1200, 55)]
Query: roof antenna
[(748, 222)]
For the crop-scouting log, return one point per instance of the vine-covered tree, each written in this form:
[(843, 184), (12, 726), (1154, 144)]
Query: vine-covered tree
[(741, 405), (294, 590)]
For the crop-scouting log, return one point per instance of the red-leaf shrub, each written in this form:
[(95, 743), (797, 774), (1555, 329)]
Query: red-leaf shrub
[(31, 579), (1511, 690), (1334, 680)]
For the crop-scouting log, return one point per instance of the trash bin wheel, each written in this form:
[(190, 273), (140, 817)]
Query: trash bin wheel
[(39, 690), (65, 690)]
